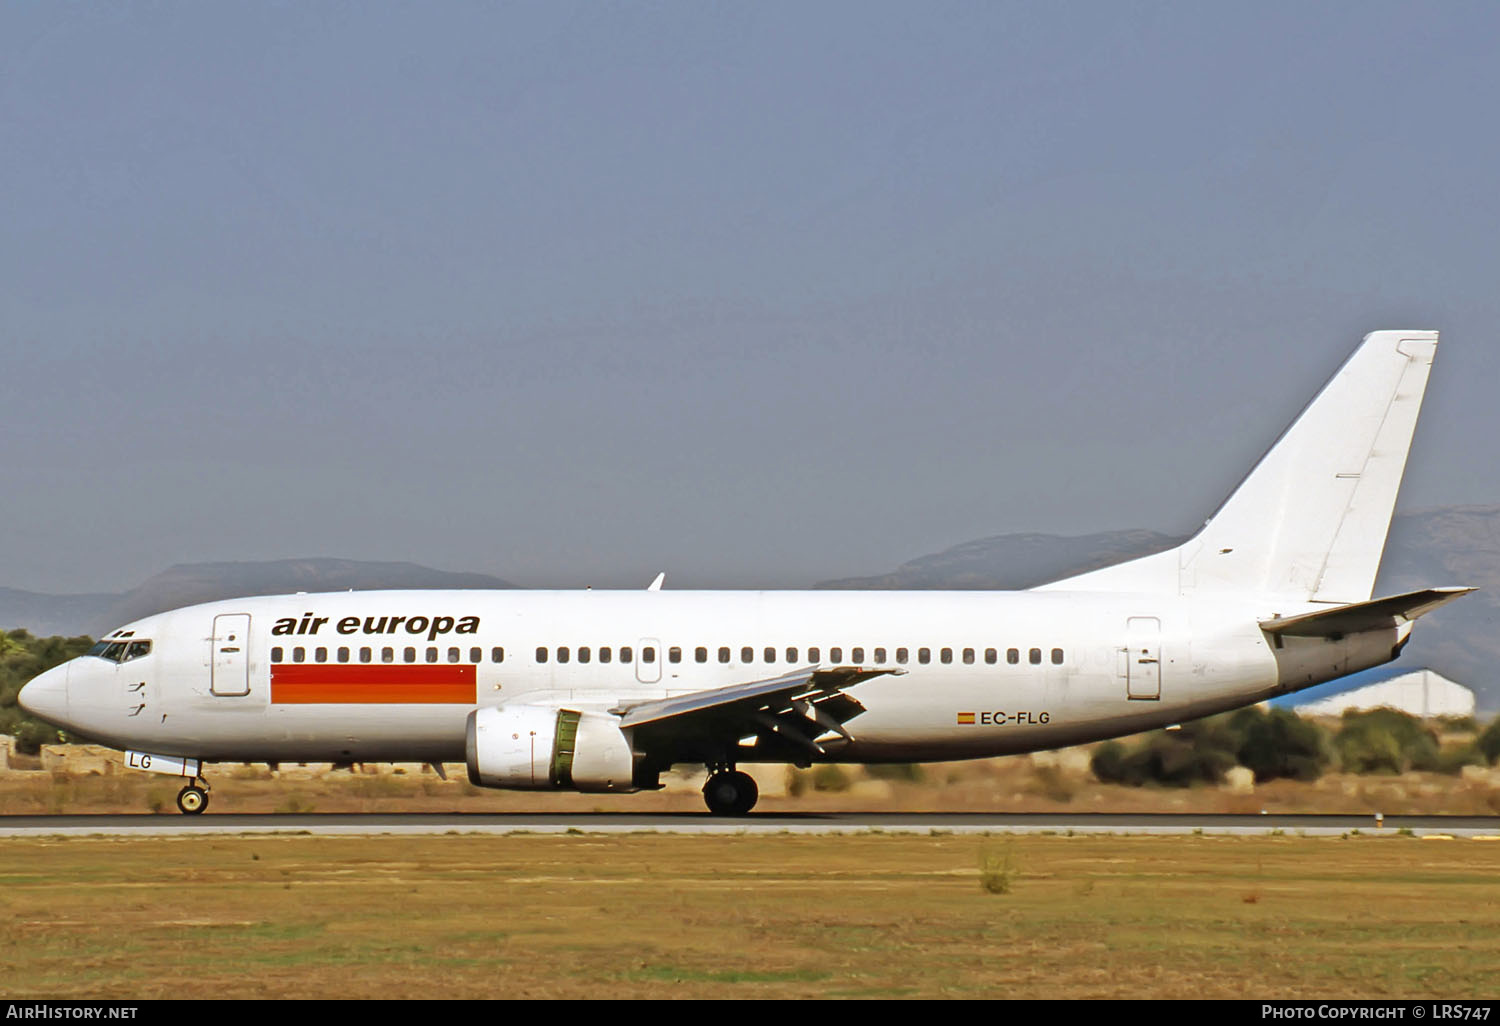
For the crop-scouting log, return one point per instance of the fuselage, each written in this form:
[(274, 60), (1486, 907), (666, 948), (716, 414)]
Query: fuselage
[(393, 676)]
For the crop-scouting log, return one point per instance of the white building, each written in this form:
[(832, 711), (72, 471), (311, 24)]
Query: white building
[(1418, 692)]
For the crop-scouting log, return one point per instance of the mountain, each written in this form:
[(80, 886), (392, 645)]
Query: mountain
[(45, 615), (191, 583), (1450, 545), (1012, 562)]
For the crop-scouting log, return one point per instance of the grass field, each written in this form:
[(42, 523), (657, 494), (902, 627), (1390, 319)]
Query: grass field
[(654, 915)]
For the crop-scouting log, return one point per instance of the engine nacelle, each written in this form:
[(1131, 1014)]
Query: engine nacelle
[(535, 748)]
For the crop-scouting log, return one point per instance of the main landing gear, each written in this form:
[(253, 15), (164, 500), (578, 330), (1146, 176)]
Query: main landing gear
[(192, 799), (728, 792)]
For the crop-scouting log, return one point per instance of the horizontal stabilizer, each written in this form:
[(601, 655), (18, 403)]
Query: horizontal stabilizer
[(1376, 614)]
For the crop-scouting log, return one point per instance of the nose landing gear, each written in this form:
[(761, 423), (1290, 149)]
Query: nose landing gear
[(192, 799)]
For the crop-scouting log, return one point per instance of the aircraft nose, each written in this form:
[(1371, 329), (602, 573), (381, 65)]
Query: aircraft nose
[(46, 695)]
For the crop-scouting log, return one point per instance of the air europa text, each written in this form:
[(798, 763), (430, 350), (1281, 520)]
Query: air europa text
[(432, 626)]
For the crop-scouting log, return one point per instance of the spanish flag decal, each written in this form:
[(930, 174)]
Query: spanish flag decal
[(965, 719)]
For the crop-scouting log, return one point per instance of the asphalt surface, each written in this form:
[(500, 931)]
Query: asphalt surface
[(1487, 827)]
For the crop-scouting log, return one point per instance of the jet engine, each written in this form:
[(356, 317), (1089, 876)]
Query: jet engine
[(534, 748)]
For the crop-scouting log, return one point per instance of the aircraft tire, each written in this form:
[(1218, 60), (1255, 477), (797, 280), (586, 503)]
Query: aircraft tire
[(192, 800), (730, 794)]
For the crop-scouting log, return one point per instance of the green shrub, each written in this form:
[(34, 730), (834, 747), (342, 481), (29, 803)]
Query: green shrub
[(1489, 742), (1108, 762), (1282, 745), (22, 657), (1164, 757), (997, 870), (830, 777), (1273, 745), (1385, 741), (1453, 760)]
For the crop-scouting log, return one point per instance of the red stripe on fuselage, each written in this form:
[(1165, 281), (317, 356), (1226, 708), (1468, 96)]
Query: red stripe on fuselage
[(305, 683)]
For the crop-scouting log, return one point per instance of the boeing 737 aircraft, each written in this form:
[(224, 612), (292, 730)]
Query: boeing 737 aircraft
[(602, 691)]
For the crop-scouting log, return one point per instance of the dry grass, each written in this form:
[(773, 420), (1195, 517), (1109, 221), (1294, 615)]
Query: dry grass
[(1043, 783), (780, 916)]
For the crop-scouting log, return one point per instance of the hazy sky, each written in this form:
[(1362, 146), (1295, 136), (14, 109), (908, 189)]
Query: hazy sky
[(756, 293)]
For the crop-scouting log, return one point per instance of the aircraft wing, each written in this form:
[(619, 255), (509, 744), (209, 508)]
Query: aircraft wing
[(788, 711), (1375, 614)]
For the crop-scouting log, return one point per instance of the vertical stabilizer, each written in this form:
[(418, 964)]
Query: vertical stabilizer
[(1309, 523)]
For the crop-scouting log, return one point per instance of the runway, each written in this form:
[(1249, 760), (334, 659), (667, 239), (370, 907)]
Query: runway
[(1477, 827)]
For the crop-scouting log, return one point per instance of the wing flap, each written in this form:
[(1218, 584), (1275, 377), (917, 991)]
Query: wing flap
[(822, 688)]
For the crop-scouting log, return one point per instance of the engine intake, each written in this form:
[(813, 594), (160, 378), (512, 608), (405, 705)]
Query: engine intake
[(528, 747)]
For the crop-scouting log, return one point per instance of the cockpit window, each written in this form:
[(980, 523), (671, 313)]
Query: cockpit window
[(121, 651)]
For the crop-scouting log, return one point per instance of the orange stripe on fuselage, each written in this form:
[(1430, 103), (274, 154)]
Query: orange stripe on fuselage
[(304, 683)]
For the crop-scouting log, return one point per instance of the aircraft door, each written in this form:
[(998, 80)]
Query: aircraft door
[(231, 654), (648, 661), (1143, 658)]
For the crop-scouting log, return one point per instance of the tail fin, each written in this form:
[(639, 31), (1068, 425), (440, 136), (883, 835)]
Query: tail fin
[(1309, 523)]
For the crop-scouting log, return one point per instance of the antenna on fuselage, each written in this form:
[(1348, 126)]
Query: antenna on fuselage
[(656, 584)]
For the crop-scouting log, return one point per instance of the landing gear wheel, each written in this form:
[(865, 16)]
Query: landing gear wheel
[(730, 794), (192, 800)]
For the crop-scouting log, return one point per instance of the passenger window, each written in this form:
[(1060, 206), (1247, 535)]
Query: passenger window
[(365, 655), (1057, 657), (626, 653), (836, 655), (562, 653), (1012, 655), (432, 655), (947, 655), (606, 654), (968, 657), (990, 656), (299, 654), (648, 654), (409, 654), (902, 655), (880, 655), (791, 655), (723, 655), (497, 655), (815, 654), (320, 655), (541, 655), (276, 654), (343, 655), (701, 654), (583, 653), (674, 654), (858, 655), (454, 655), (387, 655), (747, 655), (924, 656), (770, 655), (1035, 655)]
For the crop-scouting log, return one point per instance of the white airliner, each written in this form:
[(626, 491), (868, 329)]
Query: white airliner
[(602, 691)]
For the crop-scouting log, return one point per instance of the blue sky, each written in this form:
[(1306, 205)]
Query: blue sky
[(759, 294)]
